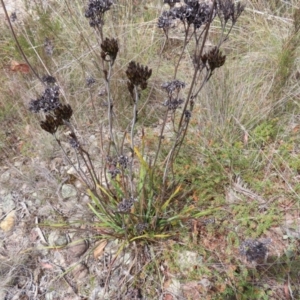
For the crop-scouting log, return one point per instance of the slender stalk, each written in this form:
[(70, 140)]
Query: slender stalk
[(18, 44), (186, 31), (81, 151), (134, 118), (160, 137), (170, 157), (197, 68), (110, 107), (182, 129)]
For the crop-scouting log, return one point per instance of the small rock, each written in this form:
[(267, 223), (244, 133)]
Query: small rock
[(92, 138), (5, 177), (78, 184), (68, 191), (187, 260), (8, 223), (175, 288), (8, 203), (18, 164), (58, 258), (56, 239), (51, 295), (72, 170), (29, 203), (205, 282), (3, 294)]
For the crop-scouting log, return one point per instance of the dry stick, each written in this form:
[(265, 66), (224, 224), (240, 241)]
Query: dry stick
[(78, 170), (90, 166), (18, 44), (94, 180), (205, 80), (93, 104), (222, 38), (86, 182)]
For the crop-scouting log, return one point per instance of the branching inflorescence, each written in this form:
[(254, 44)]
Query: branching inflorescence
[(133, 201), (56, 113), (197, 16)]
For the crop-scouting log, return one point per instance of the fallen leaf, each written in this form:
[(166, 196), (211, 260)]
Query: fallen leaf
[(80, 271), (46, 265), (9, 221), (168, 297), (246, 138), (100, 248), (19, 67), (77, 248), (287, 291), (27, 129), (296, 128)]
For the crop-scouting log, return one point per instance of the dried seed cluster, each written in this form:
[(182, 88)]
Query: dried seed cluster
[(197, 13), (141, 227), (49, 103), (73, 141), (213, 59), (173, 104), (254, 250), (48, 79), (96, 10), (137, 75), (173, 88), (229, 10), (193, 13), (126, 204), (110, 49), (114, 165), (171, 2), (60, 114), (90, 81), (48, 46)]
